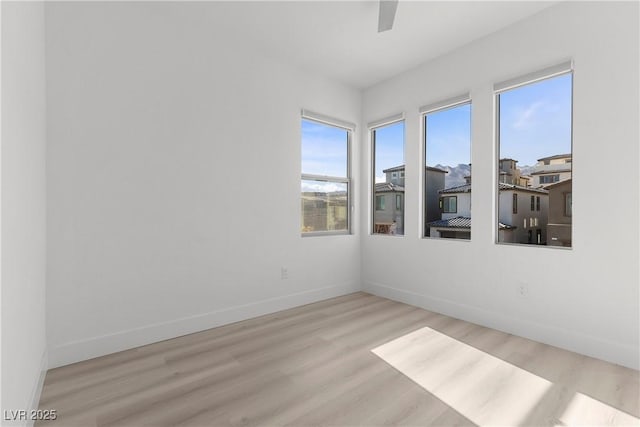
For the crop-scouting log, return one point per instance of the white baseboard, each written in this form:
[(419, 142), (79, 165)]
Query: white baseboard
[(621, 354), (77, 351), (37, 387)]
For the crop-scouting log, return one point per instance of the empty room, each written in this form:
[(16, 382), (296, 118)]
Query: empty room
[(320, 213)]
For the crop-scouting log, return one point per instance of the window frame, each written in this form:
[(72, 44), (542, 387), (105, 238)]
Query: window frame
[(425, 110), (558, 70), (373, 126), (443, 204), (350, 129)]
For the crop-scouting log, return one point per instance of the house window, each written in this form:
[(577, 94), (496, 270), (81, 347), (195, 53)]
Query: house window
[(387, 146), (325, 183), (447, 162), (379, 203), (549, 179), (567, 204), (534, 128), (515, 203), (450, 204), (401, 174), (398, 202)]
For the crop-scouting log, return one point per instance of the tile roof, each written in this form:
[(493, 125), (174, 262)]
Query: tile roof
[(564, 181), (552, 170), (462, 222), (387, 187), (457, 222), (557, 156), (466, 188), (393, 169), (504, 186)]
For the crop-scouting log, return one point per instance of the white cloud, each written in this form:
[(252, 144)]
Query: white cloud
[(525, 118), (321, 187)]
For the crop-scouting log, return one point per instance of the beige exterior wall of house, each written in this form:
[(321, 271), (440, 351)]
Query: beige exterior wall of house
[(525, 220), (560, 214)]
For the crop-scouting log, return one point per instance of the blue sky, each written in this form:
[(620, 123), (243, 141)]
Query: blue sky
[(324, 149), (449, 136), (389, 148), (535, 122)]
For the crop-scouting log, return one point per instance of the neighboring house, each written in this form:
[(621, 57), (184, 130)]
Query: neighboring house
[(455, 208), (388, 213), (522, 214), (560, 214), (434, 182), (522, 217), (510, 174), (508, 171), (395, 175), (324, 211), (552, 169), (389, 198)]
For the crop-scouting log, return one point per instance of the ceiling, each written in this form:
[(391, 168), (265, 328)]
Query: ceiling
[(339, 39)]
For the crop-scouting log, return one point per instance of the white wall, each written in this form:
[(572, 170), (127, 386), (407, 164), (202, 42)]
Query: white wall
[(23, 204), (585, 299), (173, 179)]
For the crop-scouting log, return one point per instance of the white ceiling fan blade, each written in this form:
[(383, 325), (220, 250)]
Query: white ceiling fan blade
[(387, 14)]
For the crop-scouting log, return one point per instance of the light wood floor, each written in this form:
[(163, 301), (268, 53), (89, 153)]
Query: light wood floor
[(352, 360)]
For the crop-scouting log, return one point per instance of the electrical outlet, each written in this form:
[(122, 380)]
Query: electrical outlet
[(522, 289), (284, 273)]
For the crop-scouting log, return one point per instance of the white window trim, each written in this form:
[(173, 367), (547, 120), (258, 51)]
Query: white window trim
[(536, 76), (425, 110), (373, 126), (350, 128), (566, 67)]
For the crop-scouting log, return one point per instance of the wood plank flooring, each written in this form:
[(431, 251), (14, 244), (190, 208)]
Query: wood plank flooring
[(353, 360)]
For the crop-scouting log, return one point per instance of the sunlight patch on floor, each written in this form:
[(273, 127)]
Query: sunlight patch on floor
[(584, 410), (485, 389)]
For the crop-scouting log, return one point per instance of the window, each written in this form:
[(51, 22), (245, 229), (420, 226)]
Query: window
[(549, 179), (325, 184), (387, 139), (450, 204), (567, 204), (534, 128), (447, 148)]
